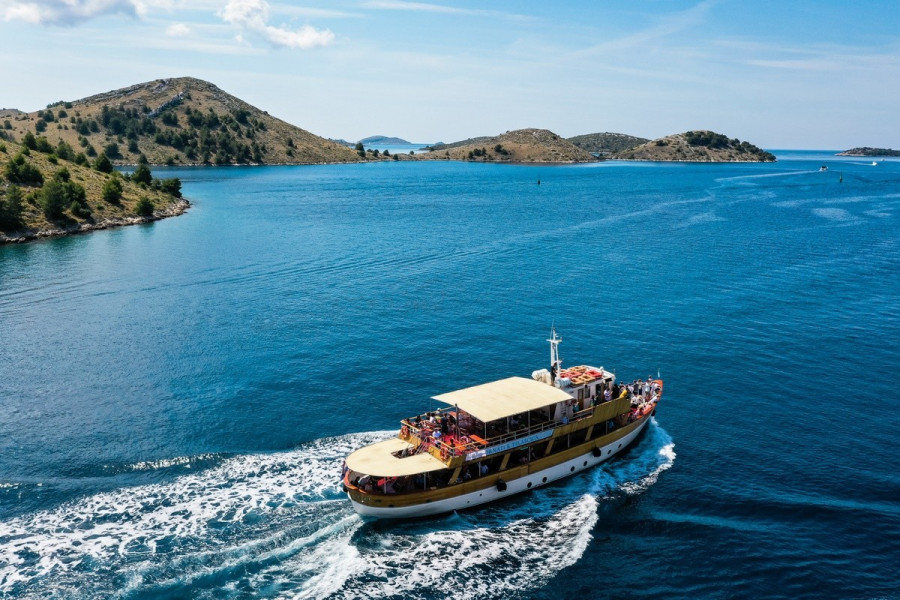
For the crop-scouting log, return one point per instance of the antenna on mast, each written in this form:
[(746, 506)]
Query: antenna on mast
[(555, 361)]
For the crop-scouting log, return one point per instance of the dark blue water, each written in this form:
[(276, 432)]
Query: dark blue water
[(176, 398)]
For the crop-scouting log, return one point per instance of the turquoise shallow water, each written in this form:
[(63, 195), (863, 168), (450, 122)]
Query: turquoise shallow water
[(176, 399)]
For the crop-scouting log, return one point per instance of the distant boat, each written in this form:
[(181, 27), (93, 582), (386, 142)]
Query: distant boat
[(823, 168), (874, 163)]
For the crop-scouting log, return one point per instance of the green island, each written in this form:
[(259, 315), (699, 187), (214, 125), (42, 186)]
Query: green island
[(696, 146), (866, 151)]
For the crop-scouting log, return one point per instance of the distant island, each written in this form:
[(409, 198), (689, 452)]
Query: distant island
[(607, 143), (866, 151), (520, 146), (468, 142), (696, 146), (382, 139)]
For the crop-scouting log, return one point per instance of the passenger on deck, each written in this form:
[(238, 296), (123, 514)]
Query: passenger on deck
[(607, 395)]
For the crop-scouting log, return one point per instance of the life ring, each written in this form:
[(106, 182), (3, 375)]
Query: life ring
[(444, 452), (404, 431)]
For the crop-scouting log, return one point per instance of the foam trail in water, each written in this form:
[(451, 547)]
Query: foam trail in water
[(279, 521)]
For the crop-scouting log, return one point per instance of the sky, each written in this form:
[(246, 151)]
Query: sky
[(800, 74)]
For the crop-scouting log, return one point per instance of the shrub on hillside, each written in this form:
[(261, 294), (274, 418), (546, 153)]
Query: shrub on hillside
[(11, 208), (169, 186), (103, 164), (18, 170), (142, 174), (144, 207), (53, 199), (112, 150), (112, 190)]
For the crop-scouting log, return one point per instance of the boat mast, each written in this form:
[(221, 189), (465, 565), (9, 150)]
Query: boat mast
[(555, 362)]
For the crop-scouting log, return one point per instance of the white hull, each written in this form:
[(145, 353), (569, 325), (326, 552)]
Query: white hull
[(522, 484)]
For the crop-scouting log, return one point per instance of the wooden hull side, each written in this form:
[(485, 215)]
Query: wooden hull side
[(518, 479)]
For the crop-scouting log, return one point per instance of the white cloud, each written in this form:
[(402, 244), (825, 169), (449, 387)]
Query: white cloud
[(67, 12), (253, 16), (178, 30)]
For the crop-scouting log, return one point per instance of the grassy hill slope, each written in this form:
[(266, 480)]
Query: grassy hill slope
[(43, 195), (696, 146), (521, 146), (176, 121)]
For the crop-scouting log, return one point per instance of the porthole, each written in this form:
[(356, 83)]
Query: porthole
[(544, 480), (608, 452), (585, 463), (572, 469), (620, 445), (529, 484)]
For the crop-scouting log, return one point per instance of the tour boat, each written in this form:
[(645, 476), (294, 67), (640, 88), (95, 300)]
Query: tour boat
[(498, 439)]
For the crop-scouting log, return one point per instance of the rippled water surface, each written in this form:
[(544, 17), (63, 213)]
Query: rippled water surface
[(176, 399)]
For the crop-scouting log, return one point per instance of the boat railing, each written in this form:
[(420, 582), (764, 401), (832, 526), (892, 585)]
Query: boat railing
[(538, 428), (459, 447)]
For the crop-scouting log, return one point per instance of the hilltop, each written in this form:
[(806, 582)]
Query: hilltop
[(696, 146), (866, 151), (521, 146), (382, 139), (175, 121), (607, 143), (45, 192), (469, 142)]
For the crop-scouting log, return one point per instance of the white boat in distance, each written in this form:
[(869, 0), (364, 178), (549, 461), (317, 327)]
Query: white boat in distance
[(498, 439)]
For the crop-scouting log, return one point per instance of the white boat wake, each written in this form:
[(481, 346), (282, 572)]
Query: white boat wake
[(278, 524)]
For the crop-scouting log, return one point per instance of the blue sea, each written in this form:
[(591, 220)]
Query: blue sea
[(176, 398)]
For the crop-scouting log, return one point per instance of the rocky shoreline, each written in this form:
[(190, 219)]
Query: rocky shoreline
[(17, 237)]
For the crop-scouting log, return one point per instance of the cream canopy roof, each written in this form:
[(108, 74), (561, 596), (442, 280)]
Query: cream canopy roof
[(378, 460), (504, 398)]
